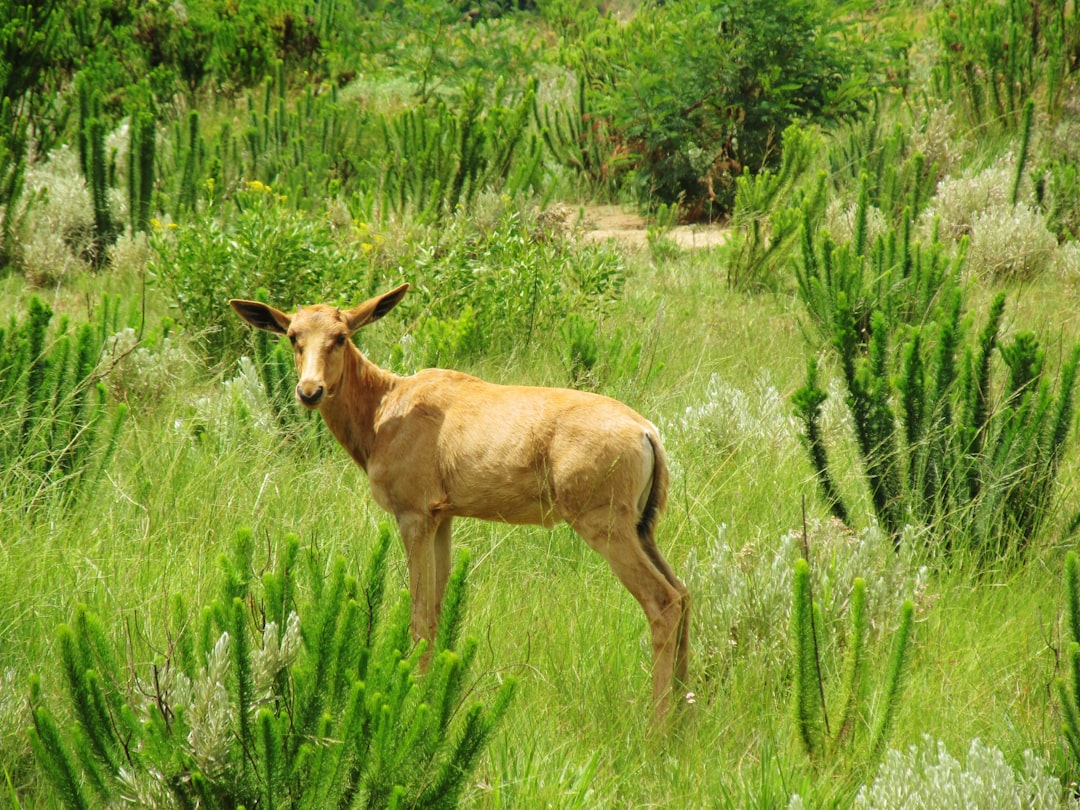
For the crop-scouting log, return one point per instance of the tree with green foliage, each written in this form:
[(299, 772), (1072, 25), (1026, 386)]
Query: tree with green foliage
[(698, 91)]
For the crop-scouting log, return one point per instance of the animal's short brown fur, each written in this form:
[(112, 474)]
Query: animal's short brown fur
[(442, 444)]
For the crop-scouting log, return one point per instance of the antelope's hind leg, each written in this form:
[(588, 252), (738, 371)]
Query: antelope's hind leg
[(442, 564), (682, 653), (638, 565)]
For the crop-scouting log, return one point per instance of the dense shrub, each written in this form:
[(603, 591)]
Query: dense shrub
[(698, 91), (435, 159), (961, 436), (995, 57), (265, 245), (503, 285), (769, 209)]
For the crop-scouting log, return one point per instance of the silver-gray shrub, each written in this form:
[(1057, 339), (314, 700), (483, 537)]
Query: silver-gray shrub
[(928, 777), (941, 138), (841, 220), (1011, 243), (1007, 241), (959, 200), (743, 593), (138, 370), (727, 417)]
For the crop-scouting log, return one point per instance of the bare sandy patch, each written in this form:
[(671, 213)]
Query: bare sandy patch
[(602, 223)]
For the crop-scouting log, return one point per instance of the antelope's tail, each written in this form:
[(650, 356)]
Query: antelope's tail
[(657, 498)]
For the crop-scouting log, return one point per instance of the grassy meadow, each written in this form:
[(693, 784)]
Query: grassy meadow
[(711, 344), (987, 646)]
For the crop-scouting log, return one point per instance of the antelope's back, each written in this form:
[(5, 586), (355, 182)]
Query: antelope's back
[(522, 454)]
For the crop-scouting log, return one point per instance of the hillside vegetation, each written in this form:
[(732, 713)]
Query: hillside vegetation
[(867, 394)]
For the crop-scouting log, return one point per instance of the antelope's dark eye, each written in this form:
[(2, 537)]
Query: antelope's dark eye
[(292, 339), (339, 340)]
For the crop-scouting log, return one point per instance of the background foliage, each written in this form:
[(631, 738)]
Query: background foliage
[(866, 392)]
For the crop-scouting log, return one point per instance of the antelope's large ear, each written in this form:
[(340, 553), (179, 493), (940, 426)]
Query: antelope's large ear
[(374, 308), (262, 316)]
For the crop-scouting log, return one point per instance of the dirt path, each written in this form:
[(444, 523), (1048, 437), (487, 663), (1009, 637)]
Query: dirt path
[(603, 222)]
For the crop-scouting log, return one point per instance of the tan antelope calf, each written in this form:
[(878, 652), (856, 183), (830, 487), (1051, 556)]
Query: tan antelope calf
[(442, 444)]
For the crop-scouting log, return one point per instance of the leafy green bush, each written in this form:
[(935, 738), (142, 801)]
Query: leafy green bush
[(519, 282), (266, 245), (307, 146), (769, 209), (594, 360), (944, 443), (696, 92), (294, 690), (439, 342)]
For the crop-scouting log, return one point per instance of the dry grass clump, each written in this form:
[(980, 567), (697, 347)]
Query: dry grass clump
[(59, 225), (1066, 260), (941, 140), (46, 258), (840, 217), (130, 251), (743, 593), (138, 372)]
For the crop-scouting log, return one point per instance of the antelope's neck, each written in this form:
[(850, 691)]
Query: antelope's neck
[(350, 414)]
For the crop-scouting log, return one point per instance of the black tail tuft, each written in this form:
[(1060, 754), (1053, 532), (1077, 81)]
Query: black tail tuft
[(657, 493)]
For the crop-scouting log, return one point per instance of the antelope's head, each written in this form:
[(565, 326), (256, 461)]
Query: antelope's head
[(319, 335)]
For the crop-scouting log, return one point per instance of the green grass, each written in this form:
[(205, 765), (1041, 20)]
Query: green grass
[(197, 461), (545, 608)]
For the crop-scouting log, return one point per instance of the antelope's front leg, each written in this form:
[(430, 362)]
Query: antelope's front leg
[(418, 534)]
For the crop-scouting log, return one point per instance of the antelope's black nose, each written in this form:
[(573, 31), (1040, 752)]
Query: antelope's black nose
[(310, 399)]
